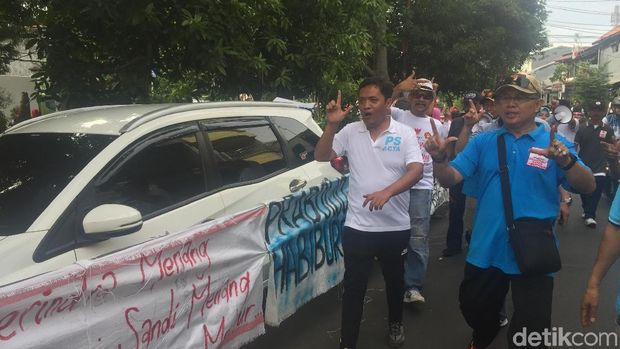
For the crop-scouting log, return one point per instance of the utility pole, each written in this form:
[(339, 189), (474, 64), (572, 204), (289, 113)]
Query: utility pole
[(615, 16)]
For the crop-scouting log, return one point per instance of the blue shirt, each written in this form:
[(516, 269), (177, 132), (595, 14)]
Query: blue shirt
[(614, 218), (534, 191)]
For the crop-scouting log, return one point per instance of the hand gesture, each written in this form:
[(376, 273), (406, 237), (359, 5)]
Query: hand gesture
[(335, 114), (409, 84), (611, 149), (589, 305), (436, 145), (555, 151), (472, 116), (376, 200)]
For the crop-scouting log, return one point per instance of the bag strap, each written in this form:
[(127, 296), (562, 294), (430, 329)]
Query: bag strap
[(503, 171)]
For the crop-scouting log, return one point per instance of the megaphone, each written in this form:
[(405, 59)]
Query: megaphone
[(562, 114)]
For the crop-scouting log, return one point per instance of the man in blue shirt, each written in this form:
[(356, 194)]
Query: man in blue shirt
[(537, 164), (608, 251)]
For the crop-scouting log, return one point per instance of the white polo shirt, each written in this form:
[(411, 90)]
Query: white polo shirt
[(422, 130), (374, 166)]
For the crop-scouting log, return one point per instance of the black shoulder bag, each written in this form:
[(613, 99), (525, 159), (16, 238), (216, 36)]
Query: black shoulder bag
[(531, 238)]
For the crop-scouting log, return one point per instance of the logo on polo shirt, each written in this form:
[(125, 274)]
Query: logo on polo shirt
[(392, 143)]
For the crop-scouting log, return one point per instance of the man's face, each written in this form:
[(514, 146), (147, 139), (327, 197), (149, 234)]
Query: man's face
[(616, 108), (596, 115), (517, 108), (489, 106), (420, 101), (374, 107), (554, 104)]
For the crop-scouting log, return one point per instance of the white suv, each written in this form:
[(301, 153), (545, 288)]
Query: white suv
[(82, 183)]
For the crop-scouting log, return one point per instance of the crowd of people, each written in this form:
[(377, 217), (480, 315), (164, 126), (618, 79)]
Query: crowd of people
[(506, 149)]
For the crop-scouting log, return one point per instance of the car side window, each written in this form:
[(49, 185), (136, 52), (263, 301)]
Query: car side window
[(301, 141), (166, 172), (246, 153)]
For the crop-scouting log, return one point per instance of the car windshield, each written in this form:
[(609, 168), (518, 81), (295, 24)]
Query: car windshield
[(35, 167)]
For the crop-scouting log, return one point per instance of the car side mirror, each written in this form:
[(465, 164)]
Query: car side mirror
[(110, 220)]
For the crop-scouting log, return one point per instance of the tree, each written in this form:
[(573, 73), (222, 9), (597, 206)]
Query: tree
[(591, 83), (465, 44), (114, 51)]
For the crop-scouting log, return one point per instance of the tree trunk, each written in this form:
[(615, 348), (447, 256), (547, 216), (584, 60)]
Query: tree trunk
[(381, 61)]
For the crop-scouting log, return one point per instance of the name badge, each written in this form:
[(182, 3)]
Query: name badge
[(537, 161), (602, 134)]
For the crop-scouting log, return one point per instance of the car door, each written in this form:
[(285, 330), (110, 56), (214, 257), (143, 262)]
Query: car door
[(251, 162), (165, 177), (301, 141)]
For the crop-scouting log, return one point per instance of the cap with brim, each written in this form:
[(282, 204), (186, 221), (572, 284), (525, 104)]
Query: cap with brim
[(425, 85), (597, 106), (520, 82), (474, 96)]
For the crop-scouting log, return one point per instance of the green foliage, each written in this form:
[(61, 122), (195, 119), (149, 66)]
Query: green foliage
[(591, 84), (465, 44), (114, 51), (561, 73), (5, 101)]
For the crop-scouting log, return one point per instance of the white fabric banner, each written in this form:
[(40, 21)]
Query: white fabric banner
[(303, 235), (201, 288)]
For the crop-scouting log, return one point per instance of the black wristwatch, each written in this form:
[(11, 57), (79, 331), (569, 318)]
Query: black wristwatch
[(571, 163)]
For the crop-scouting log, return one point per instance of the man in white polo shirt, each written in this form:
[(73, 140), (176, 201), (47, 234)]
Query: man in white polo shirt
[(385, 161), (416, 262)]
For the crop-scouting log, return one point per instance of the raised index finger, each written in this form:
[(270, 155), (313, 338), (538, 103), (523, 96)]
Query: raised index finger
[(339, 99), (472, 105), (552, 133), (435, 132)]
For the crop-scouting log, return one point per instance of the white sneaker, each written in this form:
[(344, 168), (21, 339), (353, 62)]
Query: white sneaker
[(590, 222), (413, 296)]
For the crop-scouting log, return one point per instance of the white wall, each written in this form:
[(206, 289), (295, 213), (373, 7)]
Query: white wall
[(613, 62)]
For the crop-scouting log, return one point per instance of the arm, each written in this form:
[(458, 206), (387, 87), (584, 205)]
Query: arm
[(612, 149), (408, 84), (578, 176), (608, 253), (471, 118), (413, 174), (324, 148), (437, 147)]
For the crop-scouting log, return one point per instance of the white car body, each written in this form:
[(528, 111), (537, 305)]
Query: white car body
[(65, 217)]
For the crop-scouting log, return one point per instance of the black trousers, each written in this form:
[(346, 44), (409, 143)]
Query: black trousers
[(589, 202), (454, 237), (481, 296), (360, 248)]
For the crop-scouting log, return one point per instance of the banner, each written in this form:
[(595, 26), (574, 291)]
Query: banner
[(303, 235), (201, 288)]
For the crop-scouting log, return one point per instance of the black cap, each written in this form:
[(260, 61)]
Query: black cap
[(597, 106), (476, 97)]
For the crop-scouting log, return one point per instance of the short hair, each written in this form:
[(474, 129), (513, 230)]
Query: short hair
[(564, 102), (384, 85)]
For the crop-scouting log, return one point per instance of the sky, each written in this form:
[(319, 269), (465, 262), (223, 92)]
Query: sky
[(588, 18)]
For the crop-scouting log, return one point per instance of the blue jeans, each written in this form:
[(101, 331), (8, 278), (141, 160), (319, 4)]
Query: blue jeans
[(417, 250)]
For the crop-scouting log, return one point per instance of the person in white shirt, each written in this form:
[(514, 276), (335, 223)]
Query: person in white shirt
[(416, 262), (385, 161)]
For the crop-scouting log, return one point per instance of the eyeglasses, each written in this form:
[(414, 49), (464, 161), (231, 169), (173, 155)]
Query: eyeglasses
[(427, 96), (517, 98)]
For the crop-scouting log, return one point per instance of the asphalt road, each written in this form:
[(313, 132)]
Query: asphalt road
[(438, 323)]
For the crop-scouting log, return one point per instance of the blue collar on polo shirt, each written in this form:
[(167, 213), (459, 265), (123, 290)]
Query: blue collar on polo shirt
[(533, 134)]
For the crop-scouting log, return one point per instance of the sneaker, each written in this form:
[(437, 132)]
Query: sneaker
[(413, 296), (590, 223), (396, 334), (449, 252), (503, 322)]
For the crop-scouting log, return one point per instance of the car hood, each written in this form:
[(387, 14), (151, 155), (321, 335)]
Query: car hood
[(16, 257)]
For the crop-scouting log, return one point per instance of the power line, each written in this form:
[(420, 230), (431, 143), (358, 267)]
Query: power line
[(577, 29), (570, 9), (581, 24)]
